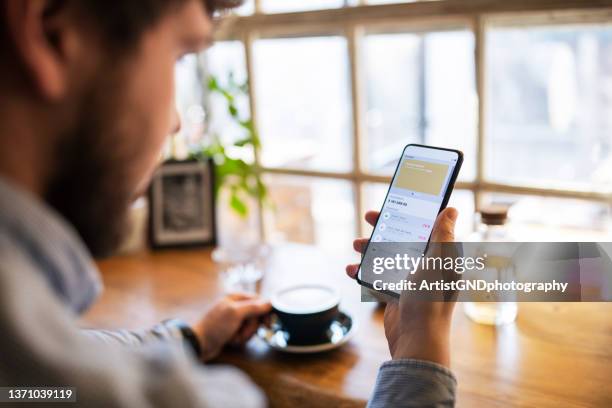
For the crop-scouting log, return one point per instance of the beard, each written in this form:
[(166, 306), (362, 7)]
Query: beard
[(89, 187)]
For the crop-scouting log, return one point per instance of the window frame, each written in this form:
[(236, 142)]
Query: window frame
[(353, 22)]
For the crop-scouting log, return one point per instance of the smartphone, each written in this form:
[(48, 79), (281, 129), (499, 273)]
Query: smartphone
[(419, 191)]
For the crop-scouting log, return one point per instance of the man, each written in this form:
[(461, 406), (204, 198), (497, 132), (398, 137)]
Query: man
[(86, 102)]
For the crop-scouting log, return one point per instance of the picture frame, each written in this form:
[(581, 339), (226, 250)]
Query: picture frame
[(182, 205)]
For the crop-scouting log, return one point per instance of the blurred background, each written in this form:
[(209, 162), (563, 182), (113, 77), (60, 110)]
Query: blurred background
[(318, 98)]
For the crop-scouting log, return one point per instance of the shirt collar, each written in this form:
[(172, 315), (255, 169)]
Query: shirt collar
[(53, 246)]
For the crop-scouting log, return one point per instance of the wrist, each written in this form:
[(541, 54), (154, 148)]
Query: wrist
[(423, 346), (189, 335), (207, 348)]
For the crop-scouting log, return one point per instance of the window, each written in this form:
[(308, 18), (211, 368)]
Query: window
[(311, 210), (550, 106), (189, 96), (247, 8), (225, 59), (551, 219), (313, 131), (392, 1), (338, 90), (412, 96), (284, 6)]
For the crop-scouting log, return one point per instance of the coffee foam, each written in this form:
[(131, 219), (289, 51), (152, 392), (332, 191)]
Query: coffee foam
[(305, 299)]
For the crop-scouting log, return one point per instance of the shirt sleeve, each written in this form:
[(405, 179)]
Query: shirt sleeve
[(413, 383), (160, 332), (41, 346)]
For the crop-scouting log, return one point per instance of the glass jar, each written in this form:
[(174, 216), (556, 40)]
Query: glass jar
[(493, 228)]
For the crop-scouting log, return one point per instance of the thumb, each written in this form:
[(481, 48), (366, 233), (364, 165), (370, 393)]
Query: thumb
[(444, 228)]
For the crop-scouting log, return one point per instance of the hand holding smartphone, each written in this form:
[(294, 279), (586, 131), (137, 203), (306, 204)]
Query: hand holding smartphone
[(419, 191)]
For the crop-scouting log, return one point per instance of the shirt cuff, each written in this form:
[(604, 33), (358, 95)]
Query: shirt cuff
[(413, 383), (415, 365)]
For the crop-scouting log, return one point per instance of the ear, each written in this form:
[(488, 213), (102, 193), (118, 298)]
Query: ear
[(40, 33)]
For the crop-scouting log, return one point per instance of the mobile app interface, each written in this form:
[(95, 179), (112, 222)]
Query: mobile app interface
[(415, 197)]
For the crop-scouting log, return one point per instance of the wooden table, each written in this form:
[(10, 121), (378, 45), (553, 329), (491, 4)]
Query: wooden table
[(555, 355)]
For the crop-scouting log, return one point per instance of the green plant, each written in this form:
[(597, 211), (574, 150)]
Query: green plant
[(241, 178)]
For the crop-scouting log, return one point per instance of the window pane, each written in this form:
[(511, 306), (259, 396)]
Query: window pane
[(283, 6), (303, 103), (246, 9), (394, 1), (189, 98), (311, 211), (463, 200), (223, 60), (413, 96), (226, 57), (550, 106), (533, 218)]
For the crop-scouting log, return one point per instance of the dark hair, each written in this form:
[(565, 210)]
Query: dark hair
[(120, 22), (123, 21)]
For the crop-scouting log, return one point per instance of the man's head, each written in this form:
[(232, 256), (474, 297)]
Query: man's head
[(87, 100)]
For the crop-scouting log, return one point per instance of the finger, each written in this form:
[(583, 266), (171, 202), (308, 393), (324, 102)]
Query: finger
[(372, 217), (252, 308), (248, 330), (351, 270), (238, 296), (444, 228), (360, 244), (235, 339)]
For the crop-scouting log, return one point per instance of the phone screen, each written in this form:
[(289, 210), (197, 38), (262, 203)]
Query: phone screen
[(420, 189)]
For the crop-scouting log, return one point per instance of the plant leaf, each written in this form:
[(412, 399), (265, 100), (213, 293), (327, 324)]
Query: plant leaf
[(213, 84), (238, 205), (233, 110)]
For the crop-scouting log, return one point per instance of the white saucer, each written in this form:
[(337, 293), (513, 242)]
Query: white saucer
[(340, 332)]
